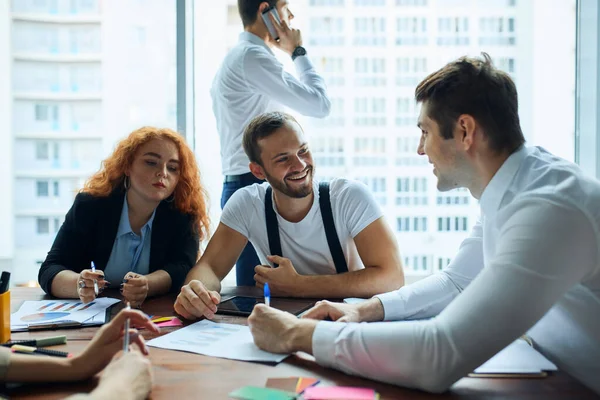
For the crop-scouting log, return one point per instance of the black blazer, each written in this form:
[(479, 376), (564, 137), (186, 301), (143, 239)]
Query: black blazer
[(90, 229)]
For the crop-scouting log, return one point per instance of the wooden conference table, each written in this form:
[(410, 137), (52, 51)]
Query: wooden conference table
[(191, 376)]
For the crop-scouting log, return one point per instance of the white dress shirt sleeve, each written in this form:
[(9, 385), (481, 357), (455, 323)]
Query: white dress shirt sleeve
[(544, 249), (428, 297), (265, 74)]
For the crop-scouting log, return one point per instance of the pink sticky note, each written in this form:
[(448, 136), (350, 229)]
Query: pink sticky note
[(339, 393), (173, 322)]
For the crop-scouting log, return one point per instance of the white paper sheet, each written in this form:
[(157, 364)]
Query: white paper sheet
[(517, 358), (34, 314), (217, 340)]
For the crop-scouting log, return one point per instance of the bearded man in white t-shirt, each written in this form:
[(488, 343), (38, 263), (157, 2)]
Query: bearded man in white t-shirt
[(279, 153)]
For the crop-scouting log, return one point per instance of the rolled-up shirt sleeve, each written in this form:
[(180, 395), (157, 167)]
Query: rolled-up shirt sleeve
[(428, 297), (524, 279)]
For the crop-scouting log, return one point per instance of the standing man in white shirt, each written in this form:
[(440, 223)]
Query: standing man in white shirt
[(531, 264), (252, 81)]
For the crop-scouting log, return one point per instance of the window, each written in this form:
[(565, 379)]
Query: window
[(41, 150), (41, 112), (43, 226), (56, 225), (411, 31), (56, 187), (453, 31), (377, 186), (372, 54), (42, 188)]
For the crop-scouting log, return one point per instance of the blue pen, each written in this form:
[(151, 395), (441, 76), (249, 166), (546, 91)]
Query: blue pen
[(267, 295)]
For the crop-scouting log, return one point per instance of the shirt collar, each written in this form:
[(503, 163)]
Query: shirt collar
[(252, 38), (125, 226), (494, 191)]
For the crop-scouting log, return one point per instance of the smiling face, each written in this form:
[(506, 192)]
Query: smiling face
[(154, 173), (287, 163), (442, 153)]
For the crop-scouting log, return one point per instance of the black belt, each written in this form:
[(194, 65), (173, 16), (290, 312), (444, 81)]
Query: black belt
[(238, 178)]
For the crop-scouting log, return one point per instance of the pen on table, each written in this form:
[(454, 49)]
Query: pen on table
[(95, 281), (126, 334), (49, 341), (267, 293), (17, 348)]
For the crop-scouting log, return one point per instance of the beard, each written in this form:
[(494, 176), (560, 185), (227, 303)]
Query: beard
[(296, 191)]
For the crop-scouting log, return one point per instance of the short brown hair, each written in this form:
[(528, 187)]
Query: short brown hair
[(474, 86), (260, 127), (249, 8)]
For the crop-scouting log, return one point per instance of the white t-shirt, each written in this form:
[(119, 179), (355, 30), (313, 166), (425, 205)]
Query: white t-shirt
[(304, 242)]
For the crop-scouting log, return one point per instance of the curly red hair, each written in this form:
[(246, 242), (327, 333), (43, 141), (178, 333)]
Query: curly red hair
[(190, 197)]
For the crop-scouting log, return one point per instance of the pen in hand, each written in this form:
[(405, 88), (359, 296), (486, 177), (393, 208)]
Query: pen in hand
[(95, 281), (267, 293), (126, 334)]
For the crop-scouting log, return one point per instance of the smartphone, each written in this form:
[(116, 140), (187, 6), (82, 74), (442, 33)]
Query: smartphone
[(242, 305), (265, 16)]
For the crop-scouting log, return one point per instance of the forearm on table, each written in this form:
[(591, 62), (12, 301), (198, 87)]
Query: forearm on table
[(159, 282), (205, 274), (364, 283), (64, 284), (33, 368)]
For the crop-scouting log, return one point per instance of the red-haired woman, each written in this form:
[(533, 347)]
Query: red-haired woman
[(139, 220)]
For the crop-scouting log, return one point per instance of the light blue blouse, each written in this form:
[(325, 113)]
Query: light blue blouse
[(130, 252)]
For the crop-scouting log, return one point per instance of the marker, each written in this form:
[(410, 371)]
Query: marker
[(49, 341), (17, 348), (126, 337), (267, 295), (95, 281), (4, 281)]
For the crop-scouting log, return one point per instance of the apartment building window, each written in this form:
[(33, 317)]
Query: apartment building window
[(411, 3), (453, 31), (369, 152), (370, 111), (42, 226), (403, 224), (411, 31), (84, 6), (456, 197), (369, 31), (327, 31), (497, 31), (406, 151), (411, 191), (328, 151), (333, 71), (331, 3), (417, 262), (42, 189), (369, 72), (336, 116), (410, 70), (406, 113), (41, 150), (369, 2), (56, 225), (56, 187), (85, 39), (443, 263), (506, 64), (452, 224)]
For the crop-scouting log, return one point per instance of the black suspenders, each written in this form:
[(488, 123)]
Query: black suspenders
[(332, 238)]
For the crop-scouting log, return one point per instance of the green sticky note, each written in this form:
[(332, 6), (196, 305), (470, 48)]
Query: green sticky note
[(260, 393)]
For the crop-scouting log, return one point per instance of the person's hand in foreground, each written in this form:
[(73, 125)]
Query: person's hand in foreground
[(280, 332), (128, 376), (367, 311), (108, 341), (195, 301)]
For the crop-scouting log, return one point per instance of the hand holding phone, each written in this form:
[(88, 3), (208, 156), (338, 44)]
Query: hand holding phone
[(284, 37), (267, 20)]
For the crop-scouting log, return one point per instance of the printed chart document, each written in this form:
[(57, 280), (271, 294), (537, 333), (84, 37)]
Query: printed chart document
[(517, 358), (216, 340), (60, 313)]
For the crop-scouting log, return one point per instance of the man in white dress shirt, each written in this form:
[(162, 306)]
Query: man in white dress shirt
[(531, 264), (252, 81)]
